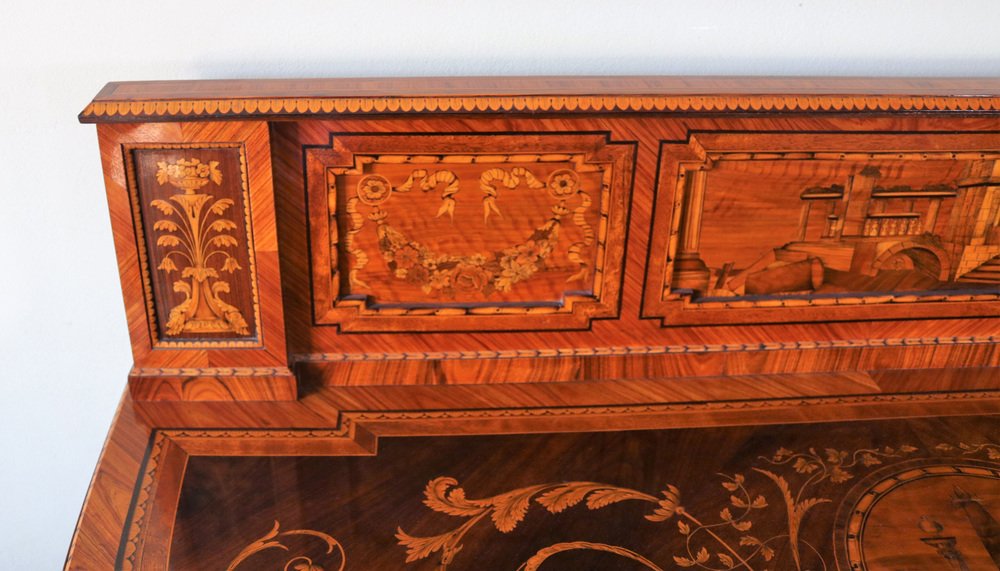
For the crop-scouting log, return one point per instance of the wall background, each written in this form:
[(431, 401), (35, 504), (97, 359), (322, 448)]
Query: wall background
[(63, 344)]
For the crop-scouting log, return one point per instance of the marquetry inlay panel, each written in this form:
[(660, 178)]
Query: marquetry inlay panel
[(192, 213), (872, 496), (771, 228), (459, 232)]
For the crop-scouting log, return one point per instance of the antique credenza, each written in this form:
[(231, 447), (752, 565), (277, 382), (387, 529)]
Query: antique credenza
[(553, 323)]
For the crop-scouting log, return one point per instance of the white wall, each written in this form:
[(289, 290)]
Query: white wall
[(63, 344)]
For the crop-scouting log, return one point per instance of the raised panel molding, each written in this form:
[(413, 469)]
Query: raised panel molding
[(464, 232), (770, 228)]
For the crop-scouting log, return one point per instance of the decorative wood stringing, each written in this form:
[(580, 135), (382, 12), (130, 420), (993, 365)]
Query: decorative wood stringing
[(455, 232), (191, 208)]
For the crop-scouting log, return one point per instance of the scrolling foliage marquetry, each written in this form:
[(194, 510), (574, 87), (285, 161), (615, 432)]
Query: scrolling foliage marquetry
[(900, 507), (730, 542), (198, 261), (467, 232), (274, 540)]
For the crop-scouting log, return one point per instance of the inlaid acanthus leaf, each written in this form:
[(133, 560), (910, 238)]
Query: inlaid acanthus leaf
[(443, 495), (165, 207), (667, 506), (510, 509), (420, 547), (610, 495), (805, 505), (165, 225), (221, 205), (566, 495), (222, 224), (167, 241), (216, 174), (167, 265), (223, 240)]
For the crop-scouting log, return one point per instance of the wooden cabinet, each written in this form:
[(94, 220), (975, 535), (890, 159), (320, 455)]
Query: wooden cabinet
[(347, 296)]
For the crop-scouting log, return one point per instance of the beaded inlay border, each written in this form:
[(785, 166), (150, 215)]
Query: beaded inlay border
[(649, 349), (247, 107)]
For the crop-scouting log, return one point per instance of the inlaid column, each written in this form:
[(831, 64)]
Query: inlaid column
[(858, 196), (976, 208), (803, 220), (690, 272), (932, 215)]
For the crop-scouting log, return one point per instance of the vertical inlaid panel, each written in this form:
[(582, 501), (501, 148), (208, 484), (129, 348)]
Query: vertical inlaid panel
[(192, 210)]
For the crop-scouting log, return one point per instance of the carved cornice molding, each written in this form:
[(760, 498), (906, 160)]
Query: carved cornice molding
[(99, 111)]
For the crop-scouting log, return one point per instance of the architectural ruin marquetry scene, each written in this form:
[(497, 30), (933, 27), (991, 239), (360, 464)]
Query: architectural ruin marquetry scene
[(880, 223)]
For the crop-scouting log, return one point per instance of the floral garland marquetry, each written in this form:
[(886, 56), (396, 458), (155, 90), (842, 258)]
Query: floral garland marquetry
[(246, 107), (203, 286), (445, 274)]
